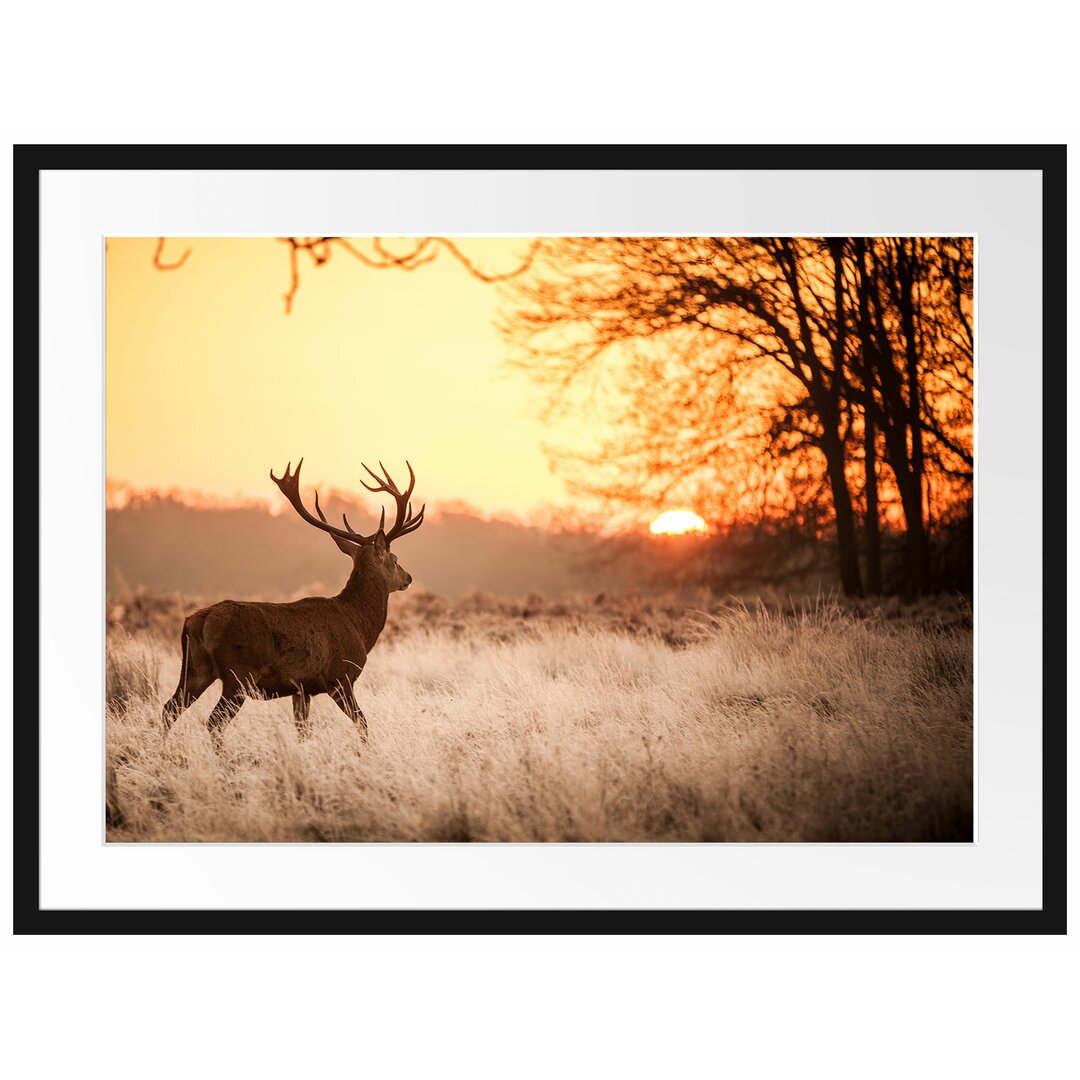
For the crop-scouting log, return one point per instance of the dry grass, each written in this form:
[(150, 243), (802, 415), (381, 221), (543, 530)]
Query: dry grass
[(582, 722)]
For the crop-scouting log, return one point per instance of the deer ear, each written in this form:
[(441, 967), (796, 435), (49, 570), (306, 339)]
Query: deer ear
[(345, 547), (381, 545)]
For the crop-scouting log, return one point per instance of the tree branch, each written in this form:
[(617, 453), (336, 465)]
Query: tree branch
[(159, 265)]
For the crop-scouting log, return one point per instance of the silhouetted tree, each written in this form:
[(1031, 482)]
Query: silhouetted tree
[(916, 346), (739, 306), (810, 359)]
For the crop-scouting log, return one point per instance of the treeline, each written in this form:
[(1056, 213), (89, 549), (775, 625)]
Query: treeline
[(822, 385)]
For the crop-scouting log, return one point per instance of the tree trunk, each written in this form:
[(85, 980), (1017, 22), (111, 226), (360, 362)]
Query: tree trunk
[(917, 539), (868, 354), (872, 525), (850, 576), (915, 535), (899, 413), (834, 450)]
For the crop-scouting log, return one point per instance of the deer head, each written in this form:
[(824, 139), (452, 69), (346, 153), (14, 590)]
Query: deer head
[(370, 554)]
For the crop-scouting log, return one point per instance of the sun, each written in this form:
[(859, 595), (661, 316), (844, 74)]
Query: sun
[(675, 522)]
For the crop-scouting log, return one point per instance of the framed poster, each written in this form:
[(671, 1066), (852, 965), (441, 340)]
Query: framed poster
[(700, 589)]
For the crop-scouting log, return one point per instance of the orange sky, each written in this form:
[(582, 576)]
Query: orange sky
[(209, 383)]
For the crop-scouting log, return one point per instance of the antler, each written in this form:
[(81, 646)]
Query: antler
[(404, 522), (289, 485)]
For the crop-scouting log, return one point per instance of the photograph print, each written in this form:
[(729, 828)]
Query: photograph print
[(539, 539)]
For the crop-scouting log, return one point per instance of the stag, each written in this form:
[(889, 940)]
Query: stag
[(317, 645)]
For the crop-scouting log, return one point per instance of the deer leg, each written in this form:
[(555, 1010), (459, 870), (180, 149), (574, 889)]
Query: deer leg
[(343, 695), (179, 701), (228, 705), (196, 674), (172, 709), (184, 696), (301, 705)]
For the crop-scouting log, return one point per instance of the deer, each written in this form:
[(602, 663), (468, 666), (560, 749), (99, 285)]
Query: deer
[(317, 645)]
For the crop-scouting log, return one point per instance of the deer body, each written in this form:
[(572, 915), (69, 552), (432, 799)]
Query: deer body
[(278, 649), (318, 645)]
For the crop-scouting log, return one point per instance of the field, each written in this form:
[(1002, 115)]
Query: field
[(601, 719)]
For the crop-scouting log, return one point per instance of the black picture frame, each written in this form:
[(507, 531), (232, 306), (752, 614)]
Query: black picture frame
[(30, 918)]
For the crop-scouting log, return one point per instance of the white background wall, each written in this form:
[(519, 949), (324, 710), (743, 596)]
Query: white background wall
[(604, 1007)]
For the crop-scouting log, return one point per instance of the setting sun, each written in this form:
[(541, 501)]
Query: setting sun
[(673, 522)]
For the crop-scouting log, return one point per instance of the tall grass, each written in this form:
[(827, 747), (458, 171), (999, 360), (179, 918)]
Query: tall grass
[(812, 725)]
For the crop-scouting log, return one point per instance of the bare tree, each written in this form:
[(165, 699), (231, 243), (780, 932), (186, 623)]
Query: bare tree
[(744, 308), (916, 352), (807, 359)]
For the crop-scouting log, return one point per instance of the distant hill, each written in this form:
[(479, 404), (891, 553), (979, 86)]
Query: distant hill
[(162, 544)]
